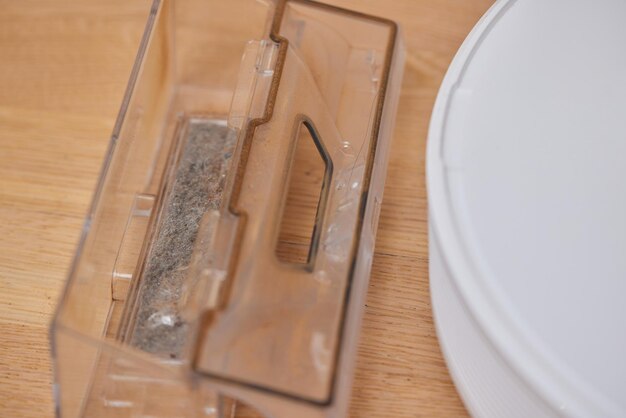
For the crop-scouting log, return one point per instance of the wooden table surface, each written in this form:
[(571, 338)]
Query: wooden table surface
[(63, 70)]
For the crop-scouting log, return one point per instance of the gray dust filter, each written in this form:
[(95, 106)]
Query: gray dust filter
[(197, 187)]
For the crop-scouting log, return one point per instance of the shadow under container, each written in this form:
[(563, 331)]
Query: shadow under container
[(225, 257)]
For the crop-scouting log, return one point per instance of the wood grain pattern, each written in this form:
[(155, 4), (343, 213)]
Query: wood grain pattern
[(63, 70)]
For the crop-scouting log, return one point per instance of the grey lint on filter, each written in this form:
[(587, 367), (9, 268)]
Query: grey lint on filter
[(197, 187)]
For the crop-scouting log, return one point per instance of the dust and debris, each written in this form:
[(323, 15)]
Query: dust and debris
[(198, 186)]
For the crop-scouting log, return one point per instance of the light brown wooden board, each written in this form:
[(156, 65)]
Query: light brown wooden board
[(63, 70)]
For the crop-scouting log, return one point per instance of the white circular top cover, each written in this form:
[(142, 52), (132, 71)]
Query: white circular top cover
[(528, 191)]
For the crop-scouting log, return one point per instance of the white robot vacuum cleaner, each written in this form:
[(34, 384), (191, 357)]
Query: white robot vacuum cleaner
[(526, 175)]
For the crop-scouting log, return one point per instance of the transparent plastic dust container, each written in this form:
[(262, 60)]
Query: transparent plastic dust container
[(224, 262)]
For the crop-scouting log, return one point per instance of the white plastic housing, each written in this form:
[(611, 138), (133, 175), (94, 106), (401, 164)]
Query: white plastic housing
[(525, 168)]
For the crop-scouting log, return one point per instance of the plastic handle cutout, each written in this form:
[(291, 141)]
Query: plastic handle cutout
[(306, 195)]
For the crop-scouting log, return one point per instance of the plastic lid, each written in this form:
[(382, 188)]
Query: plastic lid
[(527, 163)]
